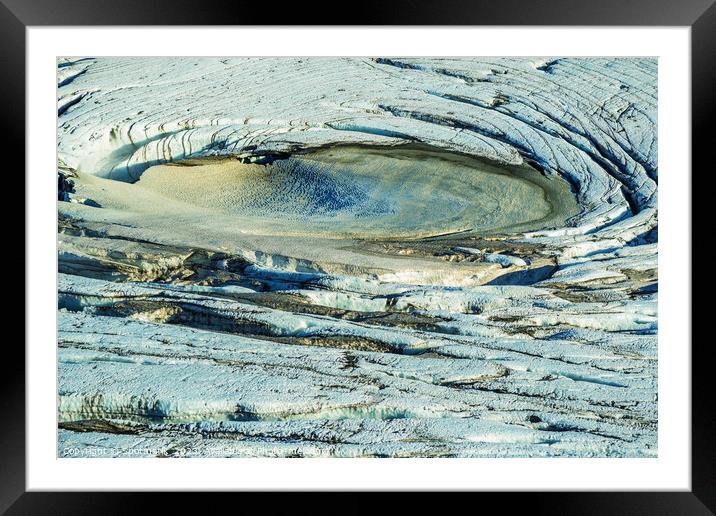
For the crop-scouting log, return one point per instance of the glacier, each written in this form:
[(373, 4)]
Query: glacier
[(357, 257)]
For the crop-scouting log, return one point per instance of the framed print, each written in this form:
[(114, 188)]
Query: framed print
[(432, 250)]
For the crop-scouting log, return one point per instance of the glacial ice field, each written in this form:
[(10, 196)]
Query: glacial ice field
[(357, 257)]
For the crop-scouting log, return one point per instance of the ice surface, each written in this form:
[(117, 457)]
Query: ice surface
[(354, 257)]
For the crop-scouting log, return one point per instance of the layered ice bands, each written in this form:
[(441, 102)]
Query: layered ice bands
[(352, 257)]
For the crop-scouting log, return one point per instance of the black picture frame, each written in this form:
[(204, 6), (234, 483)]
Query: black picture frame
[(700, 15)]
